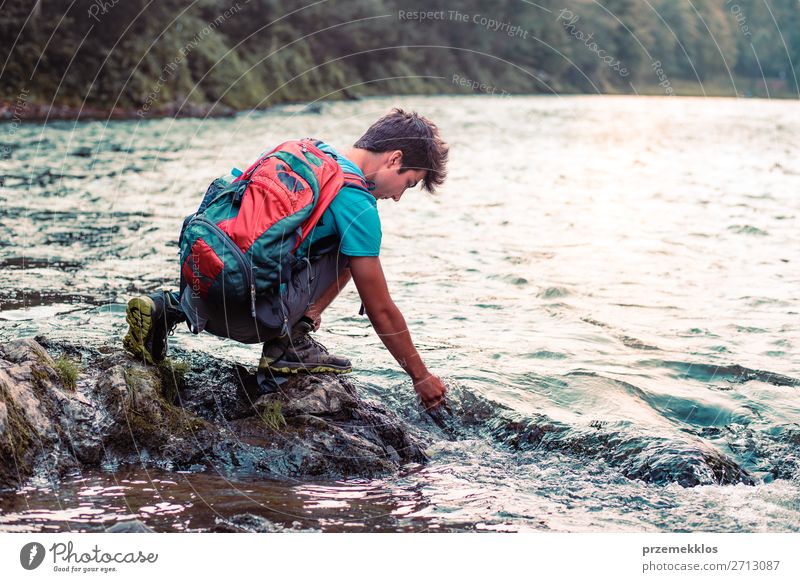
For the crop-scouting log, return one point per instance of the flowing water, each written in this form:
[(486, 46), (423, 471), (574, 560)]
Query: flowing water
[(622, 267)]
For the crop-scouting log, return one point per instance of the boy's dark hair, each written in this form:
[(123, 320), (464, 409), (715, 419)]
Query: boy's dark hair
[(415, 136)]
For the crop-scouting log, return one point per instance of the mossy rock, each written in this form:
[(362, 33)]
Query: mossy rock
[(16, 442), (172, 374), (152, 420)]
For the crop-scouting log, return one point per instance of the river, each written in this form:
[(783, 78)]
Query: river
[(627, 265)]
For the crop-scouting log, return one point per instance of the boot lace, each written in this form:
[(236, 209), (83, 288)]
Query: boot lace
[(306, 340)]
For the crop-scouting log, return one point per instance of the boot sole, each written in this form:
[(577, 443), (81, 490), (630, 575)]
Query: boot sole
[(301, 369), (139, 316)]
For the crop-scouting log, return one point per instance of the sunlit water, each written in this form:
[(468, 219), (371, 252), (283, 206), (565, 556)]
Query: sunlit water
[(631, 262)]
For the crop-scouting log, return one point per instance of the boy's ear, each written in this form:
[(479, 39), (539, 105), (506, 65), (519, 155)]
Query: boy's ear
[(396, 159)]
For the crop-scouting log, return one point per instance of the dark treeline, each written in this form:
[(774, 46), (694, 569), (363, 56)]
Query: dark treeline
[(148, 57)]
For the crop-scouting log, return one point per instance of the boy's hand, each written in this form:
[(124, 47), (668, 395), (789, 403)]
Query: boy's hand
[(431, 390)]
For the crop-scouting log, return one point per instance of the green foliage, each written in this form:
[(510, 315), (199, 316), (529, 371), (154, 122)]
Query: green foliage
[(272, 416), (166, 55), (68, 372)]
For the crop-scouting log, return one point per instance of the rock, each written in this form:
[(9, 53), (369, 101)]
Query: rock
[(314, 426), (317, 395), (636, 455), (250, 523), (3, 418), (132, 526), (83, 152), (25, 350), (314, 108), (30, 392)]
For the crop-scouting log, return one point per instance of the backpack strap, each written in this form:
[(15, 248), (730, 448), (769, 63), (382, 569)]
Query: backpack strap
[(356, 181), (328, 190), (350, 178)]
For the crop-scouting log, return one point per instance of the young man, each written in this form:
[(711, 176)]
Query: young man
[(397, 152)]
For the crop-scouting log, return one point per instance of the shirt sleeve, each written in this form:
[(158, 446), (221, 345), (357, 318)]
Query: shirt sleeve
[(358, 224)]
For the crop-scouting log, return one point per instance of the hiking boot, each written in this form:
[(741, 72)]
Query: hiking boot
[(299, 352), (152, 318)]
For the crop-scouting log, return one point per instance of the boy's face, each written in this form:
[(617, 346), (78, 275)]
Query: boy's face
[(390, 182)]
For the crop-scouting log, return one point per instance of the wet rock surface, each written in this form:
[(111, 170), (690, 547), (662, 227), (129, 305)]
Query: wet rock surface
[(250, 523), (637, 455), (213, 417), (210, 414), (132, 526)]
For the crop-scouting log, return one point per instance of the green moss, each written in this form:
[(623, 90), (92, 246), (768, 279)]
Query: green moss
[(18, 434), (68, 371), (134, 378), (173, 378), (155, 422), (138, 381), (40, 376), (172, 423), (272, 416)]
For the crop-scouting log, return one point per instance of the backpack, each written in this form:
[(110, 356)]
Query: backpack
[(241, 242)]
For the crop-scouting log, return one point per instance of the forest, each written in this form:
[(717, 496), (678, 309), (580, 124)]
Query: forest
[(146, 57)]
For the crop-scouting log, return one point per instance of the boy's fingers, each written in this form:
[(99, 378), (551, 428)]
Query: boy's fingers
[(436, 403)]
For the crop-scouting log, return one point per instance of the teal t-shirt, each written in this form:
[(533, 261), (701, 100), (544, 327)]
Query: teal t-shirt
[(351, 221)]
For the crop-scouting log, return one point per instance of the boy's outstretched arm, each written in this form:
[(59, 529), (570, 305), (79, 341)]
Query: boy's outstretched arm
[(390, 326)]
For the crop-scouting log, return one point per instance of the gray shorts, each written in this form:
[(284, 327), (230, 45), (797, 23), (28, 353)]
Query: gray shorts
[(236, 322)]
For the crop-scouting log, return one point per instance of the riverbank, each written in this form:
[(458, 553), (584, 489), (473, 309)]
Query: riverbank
[(22, 110), (17, 112)]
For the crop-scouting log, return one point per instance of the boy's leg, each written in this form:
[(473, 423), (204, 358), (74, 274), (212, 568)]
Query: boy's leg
[(314, 312), (308, 294), (152, 318), (231, 321), (309, 291)]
